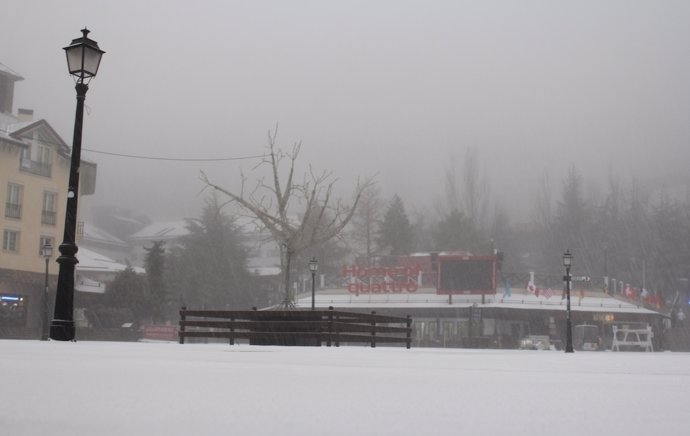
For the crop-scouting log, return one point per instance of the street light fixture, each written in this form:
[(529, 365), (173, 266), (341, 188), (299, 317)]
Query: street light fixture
[(83, 59), (313, 267), (47, 253), (567, 262)]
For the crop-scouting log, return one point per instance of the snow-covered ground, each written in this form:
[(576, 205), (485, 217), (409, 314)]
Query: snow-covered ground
[(107, 388)]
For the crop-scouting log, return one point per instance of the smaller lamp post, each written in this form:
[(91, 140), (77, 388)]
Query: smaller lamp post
[(313, 267), (567, 262), (47, 253)]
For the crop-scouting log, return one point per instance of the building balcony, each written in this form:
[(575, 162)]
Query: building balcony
[(36, 167), (13, 210)]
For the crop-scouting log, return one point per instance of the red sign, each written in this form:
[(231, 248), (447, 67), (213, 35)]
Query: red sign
[(381, 280), (159, 332)]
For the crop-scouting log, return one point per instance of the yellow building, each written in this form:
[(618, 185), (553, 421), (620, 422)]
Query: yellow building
[(34, 173)]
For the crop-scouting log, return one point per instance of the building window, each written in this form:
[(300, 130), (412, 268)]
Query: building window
[(46, 240), (48, 215), (13, 205), (44, 155), (10, 240), (36, 160), (12, 310)]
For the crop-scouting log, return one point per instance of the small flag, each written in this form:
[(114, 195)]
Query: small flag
[(628, 290), (548, 293), (507, 291)]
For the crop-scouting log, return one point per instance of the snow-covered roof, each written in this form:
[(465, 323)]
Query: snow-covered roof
[(4, 69), (96, 234), (90, 261), (7, 126), (428, 298), (265, 271), (14, 130), (163, 230)]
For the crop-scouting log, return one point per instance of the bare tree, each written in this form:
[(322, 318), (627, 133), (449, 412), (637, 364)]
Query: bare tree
[(468, 192), (475, 190), (543, 211), (320, 217), (366, 220)]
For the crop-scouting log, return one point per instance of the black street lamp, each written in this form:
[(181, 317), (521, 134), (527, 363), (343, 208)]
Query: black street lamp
[(567, 262), (83, 59), (313, 267), (47, 253)]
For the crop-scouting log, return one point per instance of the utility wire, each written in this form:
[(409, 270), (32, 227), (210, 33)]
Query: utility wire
[(175, 159), (131, 156)]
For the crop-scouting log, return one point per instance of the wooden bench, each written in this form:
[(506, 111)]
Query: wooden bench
[(295, 327)]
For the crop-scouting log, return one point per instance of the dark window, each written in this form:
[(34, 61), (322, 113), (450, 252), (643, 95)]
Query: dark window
[(12, 310)]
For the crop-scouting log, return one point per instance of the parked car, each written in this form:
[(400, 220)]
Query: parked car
[(535, 342), (587, 338)]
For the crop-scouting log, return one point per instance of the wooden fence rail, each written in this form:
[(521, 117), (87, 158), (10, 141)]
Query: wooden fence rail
[(295, 327)]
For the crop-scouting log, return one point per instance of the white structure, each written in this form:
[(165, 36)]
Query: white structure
[(632, 337)]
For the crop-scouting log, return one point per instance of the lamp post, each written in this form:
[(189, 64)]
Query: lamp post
[(83, 59), (313, 267), (567, 262), (47, 253)]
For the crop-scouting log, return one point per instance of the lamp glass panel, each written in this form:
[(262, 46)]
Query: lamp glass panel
[(47, 250), (92, 59), (74, 59)]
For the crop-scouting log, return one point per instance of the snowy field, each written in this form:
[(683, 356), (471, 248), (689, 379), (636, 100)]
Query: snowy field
[(106, 388)]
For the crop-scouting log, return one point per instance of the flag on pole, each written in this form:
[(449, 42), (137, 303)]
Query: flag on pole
[(507, 291), (628, 290)]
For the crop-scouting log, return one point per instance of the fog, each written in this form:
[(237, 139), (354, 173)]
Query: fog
[(392, 88)]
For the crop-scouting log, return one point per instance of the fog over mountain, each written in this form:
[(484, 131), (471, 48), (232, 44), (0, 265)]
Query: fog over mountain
[(394, 88)]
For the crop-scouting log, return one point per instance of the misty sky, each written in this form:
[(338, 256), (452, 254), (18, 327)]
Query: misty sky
[(394, 88)]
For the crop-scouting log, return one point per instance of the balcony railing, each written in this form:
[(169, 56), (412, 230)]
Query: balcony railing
[(13, 210), (36, 167), (48, 217)]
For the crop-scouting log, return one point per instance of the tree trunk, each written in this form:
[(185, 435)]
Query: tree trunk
[(286, 264)]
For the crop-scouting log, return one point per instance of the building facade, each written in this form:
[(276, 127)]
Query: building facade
[(34, 173), (477, 313)]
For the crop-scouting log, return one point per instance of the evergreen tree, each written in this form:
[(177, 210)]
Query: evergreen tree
[(456, 232), (155, 269), (395, 233), (128, 291), (208, 268)]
